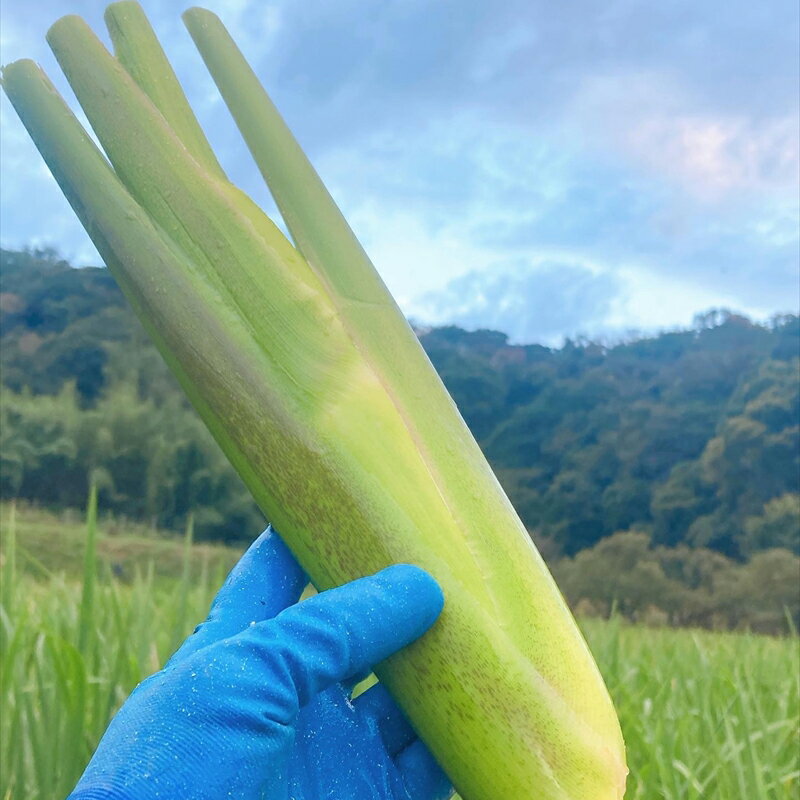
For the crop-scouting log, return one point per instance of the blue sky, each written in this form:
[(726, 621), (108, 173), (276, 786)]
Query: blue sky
[(544, 169)]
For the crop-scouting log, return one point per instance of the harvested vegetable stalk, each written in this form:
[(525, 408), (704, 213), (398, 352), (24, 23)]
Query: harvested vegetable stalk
[(316, 388)]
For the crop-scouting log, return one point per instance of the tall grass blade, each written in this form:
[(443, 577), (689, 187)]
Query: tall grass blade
[(184, 583), (8, 576), (89, 571)]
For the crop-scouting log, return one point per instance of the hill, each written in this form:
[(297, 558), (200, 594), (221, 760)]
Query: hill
[(688, 437)]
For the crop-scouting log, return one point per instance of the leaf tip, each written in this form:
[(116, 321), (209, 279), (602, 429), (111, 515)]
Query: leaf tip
[(63, 26), (122, 8), (13, 69), (201, 17)]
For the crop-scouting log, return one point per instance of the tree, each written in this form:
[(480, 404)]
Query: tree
[(778, 526), (687, 435)]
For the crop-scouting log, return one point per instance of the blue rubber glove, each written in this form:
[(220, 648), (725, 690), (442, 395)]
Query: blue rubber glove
[(256, 703)]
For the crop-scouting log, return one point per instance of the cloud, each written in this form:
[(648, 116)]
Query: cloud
[(715, 156), (531, 302), (549, 301), (644, 151), (459, 197), (655, 299)]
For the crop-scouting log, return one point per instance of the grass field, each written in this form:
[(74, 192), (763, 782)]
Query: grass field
[(705, 715)]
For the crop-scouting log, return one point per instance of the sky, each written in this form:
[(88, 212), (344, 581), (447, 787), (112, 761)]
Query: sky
[(545, 169)]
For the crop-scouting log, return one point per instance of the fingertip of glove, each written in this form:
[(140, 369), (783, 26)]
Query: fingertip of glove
[(416, 587)]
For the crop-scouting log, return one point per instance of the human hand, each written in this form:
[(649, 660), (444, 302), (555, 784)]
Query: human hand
[(256, 703)]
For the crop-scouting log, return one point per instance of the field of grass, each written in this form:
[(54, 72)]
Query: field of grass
[(705, 715)]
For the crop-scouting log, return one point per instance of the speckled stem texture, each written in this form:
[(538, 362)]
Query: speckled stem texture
[(309, 377)]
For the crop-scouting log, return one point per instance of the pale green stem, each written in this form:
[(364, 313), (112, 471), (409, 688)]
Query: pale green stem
[(139, 51)]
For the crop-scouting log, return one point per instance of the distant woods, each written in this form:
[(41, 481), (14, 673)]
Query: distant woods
[(687, 439)]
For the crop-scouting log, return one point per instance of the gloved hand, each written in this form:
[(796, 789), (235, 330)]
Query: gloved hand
[(256, 703)]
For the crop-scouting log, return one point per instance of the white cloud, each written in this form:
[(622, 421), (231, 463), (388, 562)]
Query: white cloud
[(507, 137), (541, 301), (412, 257), (650, 300), (713, 156), (655, 121)]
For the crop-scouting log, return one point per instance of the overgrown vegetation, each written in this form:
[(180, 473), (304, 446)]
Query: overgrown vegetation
[(621, 576), (705, 716), (690, 436), (676, 455), (682, 586)]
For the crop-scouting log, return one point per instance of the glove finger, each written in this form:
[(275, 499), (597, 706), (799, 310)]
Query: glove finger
[(339, 634), (377, 705), (422, 777), (264, 582)]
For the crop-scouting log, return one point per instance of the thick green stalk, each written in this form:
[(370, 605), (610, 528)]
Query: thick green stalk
[(345, 452), (261, 276), (474, 498)]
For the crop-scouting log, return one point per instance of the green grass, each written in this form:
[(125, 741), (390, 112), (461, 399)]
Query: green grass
[(49, 544), (705, 715)]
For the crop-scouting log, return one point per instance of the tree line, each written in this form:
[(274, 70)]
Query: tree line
[(689, 438)]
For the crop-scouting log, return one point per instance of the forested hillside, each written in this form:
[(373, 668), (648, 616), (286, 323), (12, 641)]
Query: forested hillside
[(689, 437)]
